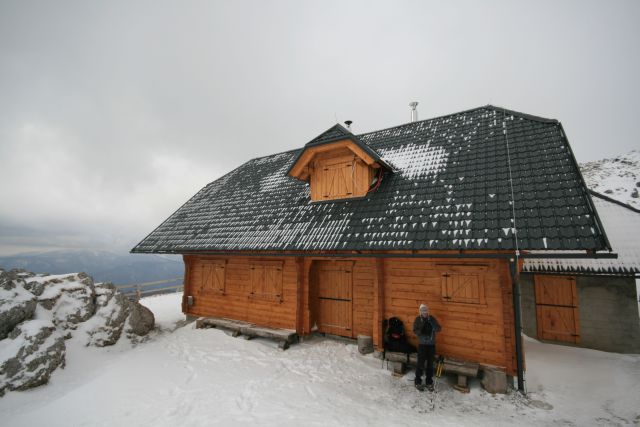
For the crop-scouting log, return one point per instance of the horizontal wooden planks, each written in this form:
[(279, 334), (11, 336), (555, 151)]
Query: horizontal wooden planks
[(237, 301), (470, 331)]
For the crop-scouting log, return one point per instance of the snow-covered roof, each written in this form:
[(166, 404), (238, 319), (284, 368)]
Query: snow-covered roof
[(449, 190), (622, 223)]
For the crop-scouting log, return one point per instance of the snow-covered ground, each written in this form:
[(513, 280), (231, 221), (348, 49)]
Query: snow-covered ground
[(183, 376)]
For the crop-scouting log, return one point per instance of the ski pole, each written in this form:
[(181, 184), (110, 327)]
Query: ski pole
[(439, 369)]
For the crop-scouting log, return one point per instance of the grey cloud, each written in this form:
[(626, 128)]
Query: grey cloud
[(113, 114)]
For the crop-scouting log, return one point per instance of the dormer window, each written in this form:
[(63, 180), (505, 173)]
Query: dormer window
[(337, 165)]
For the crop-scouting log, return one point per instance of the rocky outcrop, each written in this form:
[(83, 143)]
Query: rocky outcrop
[(16, 303), (116, 314), (70, 298), (141, 320), (38, 312), (32, 351), (108, 322)]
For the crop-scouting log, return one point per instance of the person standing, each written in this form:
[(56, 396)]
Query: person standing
[(425, 327)]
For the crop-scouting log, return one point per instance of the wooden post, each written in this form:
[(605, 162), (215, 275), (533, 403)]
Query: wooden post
[(138, 293), (378, 303), (185, 282), (306, 302), (300, 294)]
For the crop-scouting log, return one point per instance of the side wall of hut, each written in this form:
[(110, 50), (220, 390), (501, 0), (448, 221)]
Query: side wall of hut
[(471, 298), (263, 291), (607, 307)]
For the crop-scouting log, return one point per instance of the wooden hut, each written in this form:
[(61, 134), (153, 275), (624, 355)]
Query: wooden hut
[(349, 230)]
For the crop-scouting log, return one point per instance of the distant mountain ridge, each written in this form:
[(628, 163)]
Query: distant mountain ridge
[(617, 177), (103, 266)]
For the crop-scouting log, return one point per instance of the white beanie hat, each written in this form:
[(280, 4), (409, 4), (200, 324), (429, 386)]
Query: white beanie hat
[(424, 306)]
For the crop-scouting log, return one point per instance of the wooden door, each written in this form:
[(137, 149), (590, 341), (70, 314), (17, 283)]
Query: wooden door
[(335, 297), (557, 308)]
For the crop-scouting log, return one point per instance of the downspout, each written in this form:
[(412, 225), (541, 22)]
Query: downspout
[(517, 321), (513, 266)]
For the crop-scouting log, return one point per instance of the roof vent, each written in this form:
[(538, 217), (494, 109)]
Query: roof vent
[(414, 111), (348, 123)]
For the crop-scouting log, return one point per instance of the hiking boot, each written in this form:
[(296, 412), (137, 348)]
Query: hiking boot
[(420, 387), (430, 387)]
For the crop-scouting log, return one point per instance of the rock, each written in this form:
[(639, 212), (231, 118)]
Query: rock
[(70, 298), (18, 274), (141, 319), (365, 344), (494, 380), (106, 326), (33, 350), (16, 303)]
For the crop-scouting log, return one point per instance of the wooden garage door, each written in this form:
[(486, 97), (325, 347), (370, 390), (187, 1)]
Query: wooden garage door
[(557, 308), (335, 294)]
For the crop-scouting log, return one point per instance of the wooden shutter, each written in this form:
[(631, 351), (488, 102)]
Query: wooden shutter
[(337, 179), (212, 276), (463, 288), (266, 280)]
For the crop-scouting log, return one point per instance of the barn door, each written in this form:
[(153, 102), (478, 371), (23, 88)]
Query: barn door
[(557, 308), (335, 290)]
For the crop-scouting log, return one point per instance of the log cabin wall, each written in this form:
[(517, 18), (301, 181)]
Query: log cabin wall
[(258, 290), (470, 298)]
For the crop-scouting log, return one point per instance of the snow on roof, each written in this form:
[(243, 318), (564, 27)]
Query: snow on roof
[(450, 191), (622, 224)]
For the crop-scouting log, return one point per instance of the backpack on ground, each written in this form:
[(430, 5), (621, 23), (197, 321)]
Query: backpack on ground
[(395, 337)]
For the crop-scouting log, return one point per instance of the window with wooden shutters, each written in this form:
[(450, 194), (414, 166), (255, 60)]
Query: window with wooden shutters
[(463, 288), (266, 280), (213, 276), (338, 179)]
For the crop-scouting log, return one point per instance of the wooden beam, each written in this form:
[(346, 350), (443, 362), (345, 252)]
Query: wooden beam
[(378, 301), (306, 296), (186, 282), (299, 294)]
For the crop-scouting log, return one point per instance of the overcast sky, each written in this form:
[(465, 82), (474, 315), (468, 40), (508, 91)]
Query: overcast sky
[(113, 114)]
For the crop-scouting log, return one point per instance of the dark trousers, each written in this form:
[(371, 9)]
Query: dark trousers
[(426, 353)]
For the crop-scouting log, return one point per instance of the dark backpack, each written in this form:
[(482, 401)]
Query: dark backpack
[(395, 338)]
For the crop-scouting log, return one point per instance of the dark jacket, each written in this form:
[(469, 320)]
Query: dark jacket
[(425, 329)]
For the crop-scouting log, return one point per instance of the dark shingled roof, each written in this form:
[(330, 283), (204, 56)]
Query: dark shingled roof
[(450, 190), (623, 228)]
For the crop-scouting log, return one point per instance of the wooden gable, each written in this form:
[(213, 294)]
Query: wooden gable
[(336, 170)]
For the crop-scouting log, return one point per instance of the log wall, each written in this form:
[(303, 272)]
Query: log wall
[(479, 332), (477, 319), (237, 302)]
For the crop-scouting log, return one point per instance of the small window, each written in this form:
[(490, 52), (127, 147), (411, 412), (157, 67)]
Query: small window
[(266, 280), (213, 277), (338, 179), (463, 288)]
